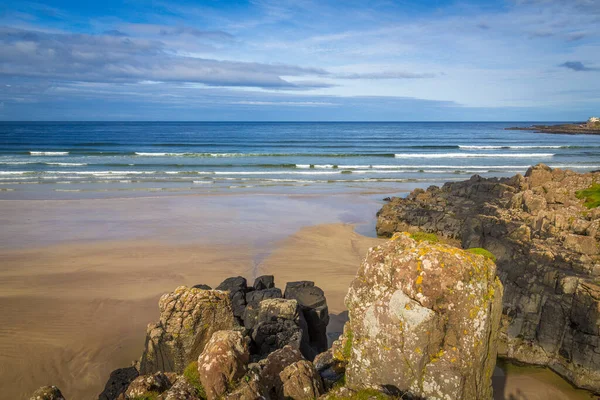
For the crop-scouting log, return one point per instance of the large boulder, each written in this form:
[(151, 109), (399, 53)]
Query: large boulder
[(188, 319), (313, 305), (47, 393), (223, 361), (424, 319), (547, 245)]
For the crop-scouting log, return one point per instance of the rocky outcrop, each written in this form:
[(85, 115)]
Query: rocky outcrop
[(188, 318), (223, 362), (547, 247), (423, 320), (47, 393)]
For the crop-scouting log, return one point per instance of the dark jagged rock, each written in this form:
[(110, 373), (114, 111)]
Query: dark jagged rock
[(202, 286), (277, 325), (47, 393), (253, 300), (547, 247), (264, 282), (331, 369), (118, 382), (237, 288), (313, 305)]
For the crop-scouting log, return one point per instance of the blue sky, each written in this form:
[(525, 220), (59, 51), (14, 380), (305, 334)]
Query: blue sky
[(399, 60)]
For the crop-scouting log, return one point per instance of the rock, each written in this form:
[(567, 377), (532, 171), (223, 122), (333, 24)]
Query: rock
[(237, 288), (253, 300), (145, 384), (264, 282), (547, 247), (249, 387), (181, 390), (301, 381), (118, 382), (329, 368), (278, 323), (424, 319), (246, 391), (222, 362), (188, 319), (273, 365), (272, 335), (313, 305), (202, 286), (47, 393)]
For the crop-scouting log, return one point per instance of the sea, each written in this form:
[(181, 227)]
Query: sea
[(46, 159)]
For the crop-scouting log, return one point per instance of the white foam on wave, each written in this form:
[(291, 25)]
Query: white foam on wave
[(66, 164), (49, 153), (507, 147), (473, 155), (202, 182), (216, 155)]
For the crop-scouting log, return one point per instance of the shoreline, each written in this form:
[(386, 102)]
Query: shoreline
[(78, 305)]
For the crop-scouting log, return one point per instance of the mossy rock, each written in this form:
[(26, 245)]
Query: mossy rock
[(482, 252), (591, 196), (191, 375), (425, 237), (347, 350)]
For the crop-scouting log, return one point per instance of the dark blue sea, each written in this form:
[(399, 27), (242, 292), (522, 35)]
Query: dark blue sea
[(221, 156)]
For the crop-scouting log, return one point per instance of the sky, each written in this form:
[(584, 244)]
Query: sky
[(300, 60)]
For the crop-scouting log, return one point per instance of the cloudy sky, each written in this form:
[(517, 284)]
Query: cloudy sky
[(300, 60)]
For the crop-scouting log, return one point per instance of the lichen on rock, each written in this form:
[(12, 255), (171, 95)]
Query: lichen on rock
[(547, 244), (424, 319), (188, 318)]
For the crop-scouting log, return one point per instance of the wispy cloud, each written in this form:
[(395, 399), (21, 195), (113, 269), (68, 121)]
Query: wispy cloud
[(109, 58)]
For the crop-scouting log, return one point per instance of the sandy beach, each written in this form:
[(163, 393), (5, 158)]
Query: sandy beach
[(80, 279)]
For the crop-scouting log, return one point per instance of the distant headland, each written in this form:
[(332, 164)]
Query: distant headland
[(591, 127)]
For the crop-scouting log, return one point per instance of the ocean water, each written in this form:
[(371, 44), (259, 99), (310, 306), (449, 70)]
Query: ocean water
[(65, 157)]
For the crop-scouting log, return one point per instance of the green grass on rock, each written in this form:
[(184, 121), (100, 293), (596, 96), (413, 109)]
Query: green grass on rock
[(190, 373), (591, 196), (425, 237), (482, 252)]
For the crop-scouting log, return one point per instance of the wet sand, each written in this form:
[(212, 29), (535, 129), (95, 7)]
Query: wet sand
[(80, 279)]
